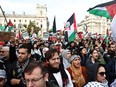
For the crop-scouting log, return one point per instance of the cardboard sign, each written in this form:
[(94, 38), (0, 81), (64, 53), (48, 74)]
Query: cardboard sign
[(5, 36), (45, 36)]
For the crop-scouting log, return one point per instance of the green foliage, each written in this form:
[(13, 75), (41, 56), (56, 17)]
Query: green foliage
[(34, 27), (25, 25)]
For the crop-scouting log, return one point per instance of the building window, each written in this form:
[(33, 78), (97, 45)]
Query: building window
[(19, 20), (14, 26), (14, 20), (41, 26), (41, 12), (19, 25), (25, 20)]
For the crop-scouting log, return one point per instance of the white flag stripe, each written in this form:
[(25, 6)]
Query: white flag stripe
[(71, 30), (101, 8)]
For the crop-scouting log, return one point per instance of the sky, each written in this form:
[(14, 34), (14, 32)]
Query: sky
[(62, 9)]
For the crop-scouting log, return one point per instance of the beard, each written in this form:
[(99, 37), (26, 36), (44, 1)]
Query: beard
[(112, 52)]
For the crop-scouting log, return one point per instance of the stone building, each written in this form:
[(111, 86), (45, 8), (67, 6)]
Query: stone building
[(39, 18), (94, 24)]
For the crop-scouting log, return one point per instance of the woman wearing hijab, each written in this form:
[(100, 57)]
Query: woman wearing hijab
[(77, 72), (66, 54), (100, 78)]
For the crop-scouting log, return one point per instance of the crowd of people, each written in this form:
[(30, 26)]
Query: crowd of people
[(87, 62)]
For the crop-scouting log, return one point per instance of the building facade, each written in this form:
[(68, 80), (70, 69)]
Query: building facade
[(19, 20), (94, 24)]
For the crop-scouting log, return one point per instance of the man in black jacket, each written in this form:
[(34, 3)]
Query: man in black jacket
[(111, 70), (18, 67), (108, 56), (4, 52)]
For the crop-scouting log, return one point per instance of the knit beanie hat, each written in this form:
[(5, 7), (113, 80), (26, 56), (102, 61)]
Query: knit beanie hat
[(73, 57)]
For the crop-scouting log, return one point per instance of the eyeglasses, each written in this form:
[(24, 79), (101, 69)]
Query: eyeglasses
[(2, 51), (33, 81), (102, 73)]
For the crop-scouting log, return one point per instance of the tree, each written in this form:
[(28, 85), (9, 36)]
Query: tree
[(25, 25), (32, 28)]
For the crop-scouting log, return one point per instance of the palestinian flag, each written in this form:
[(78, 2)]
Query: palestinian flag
[(9, 27), (54, 26), (2, 28), (18, 35), (107, 10), (72, 28)]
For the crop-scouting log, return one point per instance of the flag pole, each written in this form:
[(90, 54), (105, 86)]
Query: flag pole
[(4, 14), (4, 17)]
